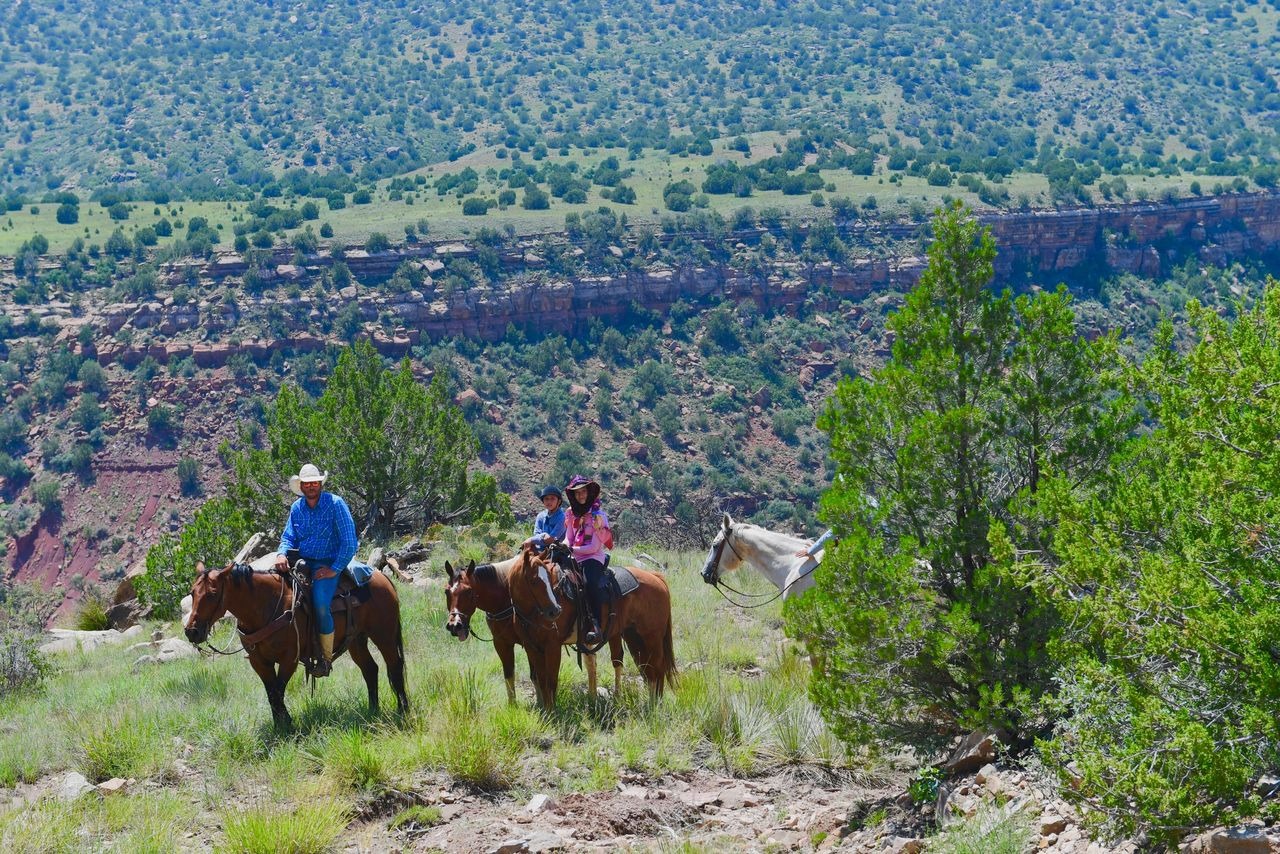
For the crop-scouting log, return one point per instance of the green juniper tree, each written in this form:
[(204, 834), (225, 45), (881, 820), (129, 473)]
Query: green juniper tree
[(398, 451), (918, 632), (1167, 580)]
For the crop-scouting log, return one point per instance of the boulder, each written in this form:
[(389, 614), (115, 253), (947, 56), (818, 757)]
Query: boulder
[(638, 451), (73, 786), (1233, 840), (974, 751), (123, 615), (69, 640)]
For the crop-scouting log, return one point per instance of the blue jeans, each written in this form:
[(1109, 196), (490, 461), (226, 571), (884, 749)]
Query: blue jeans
[(321, 597)]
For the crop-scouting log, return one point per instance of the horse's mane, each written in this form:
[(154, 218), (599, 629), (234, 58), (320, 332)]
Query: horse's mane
[(242, 572), (486, 573)]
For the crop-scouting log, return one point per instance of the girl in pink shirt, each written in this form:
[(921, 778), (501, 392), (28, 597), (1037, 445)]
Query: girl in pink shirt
[(587, 532)]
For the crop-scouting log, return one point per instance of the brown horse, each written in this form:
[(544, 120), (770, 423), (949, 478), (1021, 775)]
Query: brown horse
[(262, 603), (545, 618), (487, 588)]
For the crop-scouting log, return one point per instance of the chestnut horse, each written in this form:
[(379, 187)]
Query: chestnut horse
[(486, 588), (545, 618), (270, 630)]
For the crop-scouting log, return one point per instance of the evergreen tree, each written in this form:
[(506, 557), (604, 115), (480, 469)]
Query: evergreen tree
[(918, 632)]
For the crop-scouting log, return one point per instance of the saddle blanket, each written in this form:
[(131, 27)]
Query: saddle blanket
[(623, 581)]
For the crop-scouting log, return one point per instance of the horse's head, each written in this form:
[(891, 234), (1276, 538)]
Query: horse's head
[(723, 556), (537, 576), (460, 599), (208, 602)]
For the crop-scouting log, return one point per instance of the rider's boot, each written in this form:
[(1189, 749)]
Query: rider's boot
[(325, 665), (592, 636)]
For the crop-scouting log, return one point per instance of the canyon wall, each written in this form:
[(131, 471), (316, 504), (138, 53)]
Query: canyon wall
[(1040, 247)]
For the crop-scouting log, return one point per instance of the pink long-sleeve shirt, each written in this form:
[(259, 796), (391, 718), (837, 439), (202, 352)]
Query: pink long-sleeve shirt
[(583, 534)]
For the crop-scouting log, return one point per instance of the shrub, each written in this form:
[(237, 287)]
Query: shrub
[(48, 494), (91, 615), (189, 476), (22, 665)]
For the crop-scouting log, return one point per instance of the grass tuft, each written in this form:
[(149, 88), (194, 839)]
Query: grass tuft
[(352, 759), (310, 828), (131, 748), (989, 831)]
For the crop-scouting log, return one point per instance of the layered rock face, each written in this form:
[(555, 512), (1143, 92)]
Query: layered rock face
[(1040, 247)]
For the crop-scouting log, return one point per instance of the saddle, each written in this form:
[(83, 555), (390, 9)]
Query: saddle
[(353, 591)]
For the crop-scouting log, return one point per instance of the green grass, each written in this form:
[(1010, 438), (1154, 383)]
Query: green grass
[(989, 831), (653, 170), (98, 716), (308, 828)]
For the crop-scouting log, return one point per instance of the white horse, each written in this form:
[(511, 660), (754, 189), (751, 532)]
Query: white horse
[(769, 553)]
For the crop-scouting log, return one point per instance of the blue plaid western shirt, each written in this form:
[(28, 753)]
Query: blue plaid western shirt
[(325, 535)]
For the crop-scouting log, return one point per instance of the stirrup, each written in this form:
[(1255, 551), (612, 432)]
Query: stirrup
[(321, 667)]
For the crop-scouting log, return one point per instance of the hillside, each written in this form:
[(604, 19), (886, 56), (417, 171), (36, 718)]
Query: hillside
[(216, 100), (687, 388)]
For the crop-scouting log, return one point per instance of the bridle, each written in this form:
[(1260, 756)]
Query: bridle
[(222, 595), (717, 582), (465, 618)]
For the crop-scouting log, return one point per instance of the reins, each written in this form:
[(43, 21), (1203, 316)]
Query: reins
[(719, 582)]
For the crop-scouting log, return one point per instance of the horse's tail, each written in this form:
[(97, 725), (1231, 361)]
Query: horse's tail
[(400, 640), (669, 657)]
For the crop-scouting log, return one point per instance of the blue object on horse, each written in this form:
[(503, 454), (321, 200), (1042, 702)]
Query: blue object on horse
[(361, 573)]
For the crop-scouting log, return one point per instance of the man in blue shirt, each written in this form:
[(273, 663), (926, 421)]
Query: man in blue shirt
[(549, 526), (320, 527)]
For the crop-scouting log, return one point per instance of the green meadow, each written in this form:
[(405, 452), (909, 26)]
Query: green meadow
[(196, 734)]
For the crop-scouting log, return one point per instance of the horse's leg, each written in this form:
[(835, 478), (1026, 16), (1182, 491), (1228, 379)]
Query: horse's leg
[(615, 655), (274, 687), (591, 676), (642, 655), (506, 650), (359, 649), (551, 673), (392, 649), (535, 676)]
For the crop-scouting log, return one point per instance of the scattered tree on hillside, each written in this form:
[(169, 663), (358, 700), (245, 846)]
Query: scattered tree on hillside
[(981, 394)]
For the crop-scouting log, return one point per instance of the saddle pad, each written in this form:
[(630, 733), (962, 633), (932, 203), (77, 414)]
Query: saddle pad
[(623, 581)]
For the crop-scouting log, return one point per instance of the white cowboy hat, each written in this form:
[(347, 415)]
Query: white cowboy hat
[(308, 473)]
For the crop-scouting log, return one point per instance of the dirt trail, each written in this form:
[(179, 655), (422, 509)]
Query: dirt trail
[(795, 809)]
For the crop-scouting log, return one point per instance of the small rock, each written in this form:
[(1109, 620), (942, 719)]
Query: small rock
[(1231, 840), (1052, 824), (904, 845), (537, 804), (511, 846), (377, 558), (985, 774), (975, 751), (698, 800), (73, 786), (114, 786)]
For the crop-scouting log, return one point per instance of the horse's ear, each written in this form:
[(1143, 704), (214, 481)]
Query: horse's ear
[(727, 521), (471, 567), (448, 567)]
